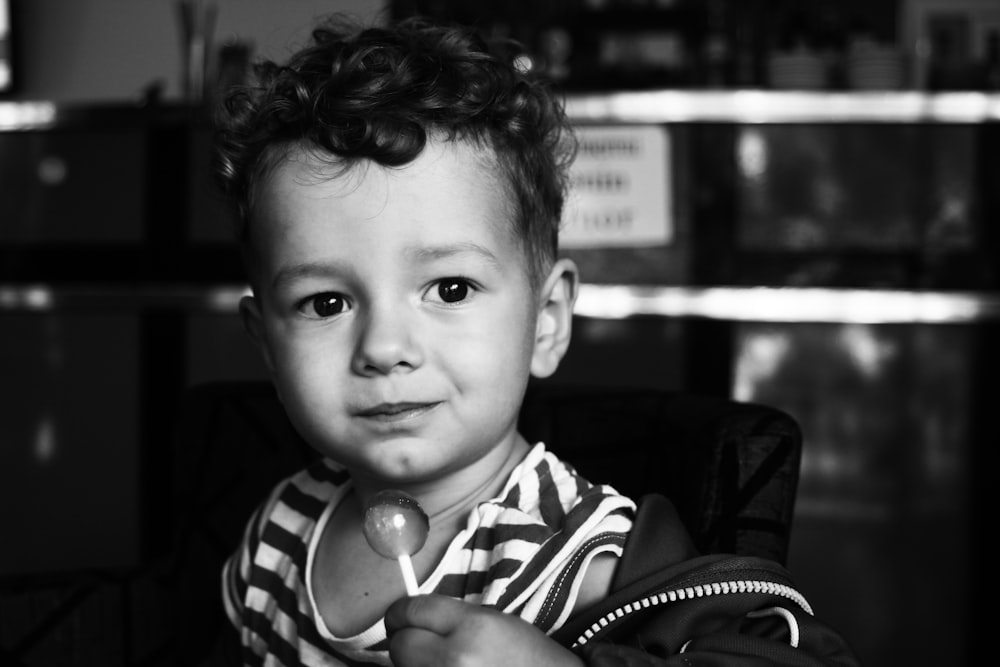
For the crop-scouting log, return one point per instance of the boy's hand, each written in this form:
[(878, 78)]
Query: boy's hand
[(438, 631)]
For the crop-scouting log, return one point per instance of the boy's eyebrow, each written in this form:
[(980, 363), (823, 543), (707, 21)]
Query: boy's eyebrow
[(321, 269), (450, 250), (289, 274)]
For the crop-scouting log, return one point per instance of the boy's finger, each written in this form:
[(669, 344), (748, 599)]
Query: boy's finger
[(437, 613), (414, 647)]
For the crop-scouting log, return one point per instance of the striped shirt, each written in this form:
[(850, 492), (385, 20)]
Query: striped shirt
[(524, 552)]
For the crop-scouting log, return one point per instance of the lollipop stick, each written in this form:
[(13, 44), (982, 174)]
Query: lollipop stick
[(409, 577)]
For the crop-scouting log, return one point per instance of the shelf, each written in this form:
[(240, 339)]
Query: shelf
[(650, 106), (34, 115), (768, 106), (220, 299), (600, 301), (789, 304)]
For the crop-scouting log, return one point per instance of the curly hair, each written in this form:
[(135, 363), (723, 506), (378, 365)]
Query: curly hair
[(372, 93)]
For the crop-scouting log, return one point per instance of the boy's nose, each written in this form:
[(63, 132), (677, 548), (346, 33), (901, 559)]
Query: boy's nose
[(386, 342)]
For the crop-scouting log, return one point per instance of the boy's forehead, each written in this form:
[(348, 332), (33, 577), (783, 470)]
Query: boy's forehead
[(307, 166), (450, 185), (450, 160), (444, 169)]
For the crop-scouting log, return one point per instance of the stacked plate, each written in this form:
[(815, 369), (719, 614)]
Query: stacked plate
[(872, 66), (800, 69)]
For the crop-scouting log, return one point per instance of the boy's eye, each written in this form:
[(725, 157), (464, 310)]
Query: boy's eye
[(323, 305), (453, 290)]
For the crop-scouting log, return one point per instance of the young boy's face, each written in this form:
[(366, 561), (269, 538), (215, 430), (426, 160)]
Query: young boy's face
[(395, 311)]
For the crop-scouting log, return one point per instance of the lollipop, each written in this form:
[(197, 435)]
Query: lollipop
[(396, 527)]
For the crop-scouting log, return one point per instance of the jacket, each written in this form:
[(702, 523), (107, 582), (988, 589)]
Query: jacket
[(671, 606)]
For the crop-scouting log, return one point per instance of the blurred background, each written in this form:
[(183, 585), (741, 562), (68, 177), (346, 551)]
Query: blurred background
[(783, 202)]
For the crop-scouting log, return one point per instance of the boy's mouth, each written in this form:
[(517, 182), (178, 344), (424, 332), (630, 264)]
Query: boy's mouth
[(396, 411)]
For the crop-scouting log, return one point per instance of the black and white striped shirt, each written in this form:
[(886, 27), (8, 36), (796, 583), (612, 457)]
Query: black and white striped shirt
[(524, 552)]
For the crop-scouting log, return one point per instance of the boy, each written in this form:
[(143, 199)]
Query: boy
[(399, 192)]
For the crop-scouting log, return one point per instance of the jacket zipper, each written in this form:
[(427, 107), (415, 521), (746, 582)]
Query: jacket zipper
[(696, 591)]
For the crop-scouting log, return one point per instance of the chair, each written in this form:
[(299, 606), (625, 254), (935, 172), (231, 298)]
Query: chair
[(731, 469)]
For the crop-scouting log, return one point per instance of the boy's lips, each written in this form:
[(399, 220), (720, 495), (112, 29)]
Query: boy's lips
[(396, 411)]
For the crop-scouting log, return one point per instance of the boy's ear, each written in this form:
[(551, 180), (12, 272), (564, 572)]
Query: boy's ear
[(555, 318), (253, 324)]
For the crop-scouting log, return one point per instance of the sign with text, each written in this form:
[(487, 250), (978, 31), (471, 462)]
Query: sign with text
[(620, 194)]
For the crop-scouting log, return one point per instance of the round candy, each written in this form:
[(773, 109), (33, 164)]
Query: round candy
[(395, 525)]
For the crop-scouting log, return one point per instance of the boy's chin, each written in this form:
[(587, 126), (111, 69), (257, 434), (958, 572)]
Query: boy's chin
[(395, 467), (404, 472)]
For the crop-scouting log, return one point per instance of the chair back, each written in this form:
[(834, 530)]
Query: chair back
[(731, 468)]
